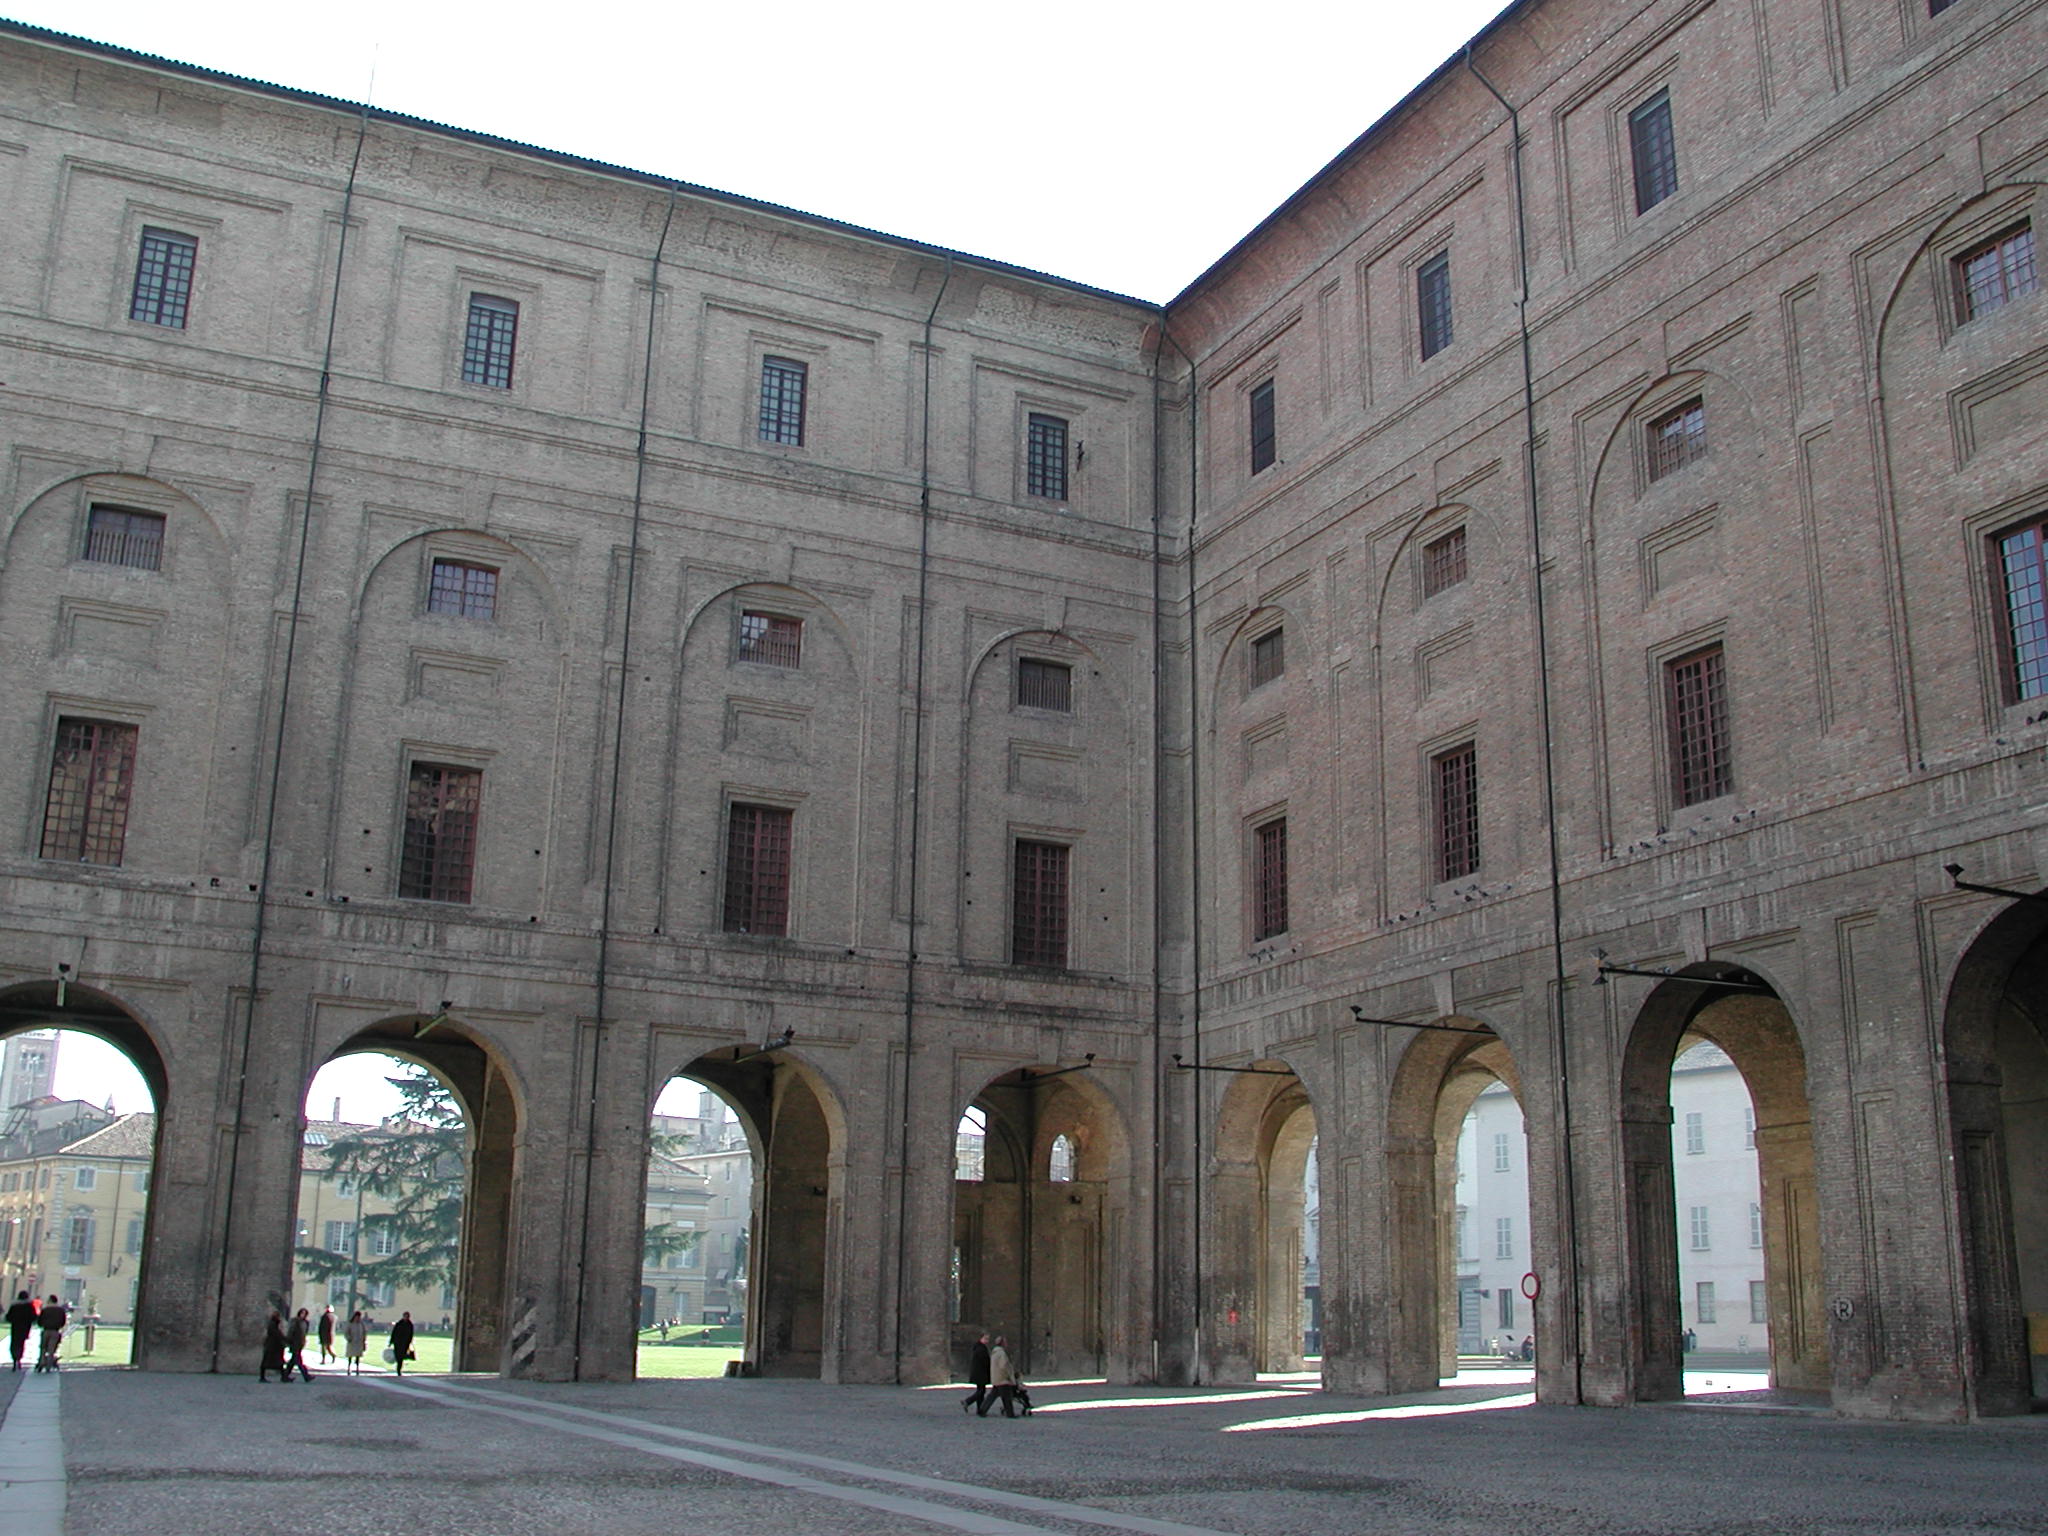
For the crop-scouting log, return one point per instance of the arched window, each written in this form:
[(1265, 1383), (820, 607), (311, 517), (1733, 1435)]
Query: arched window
[(1061, 1170), (969, 1143)]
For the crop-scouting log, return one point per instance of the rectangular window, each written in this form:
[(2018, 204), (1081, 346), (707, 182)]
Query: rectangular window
[(1990, 276), (438, 859), (1443, 562), (1265, 442), (163, 278), (85, 1178), (140, 1183), (1936, 7), (1748, 1128), (783, 380), (770, 639), (1454, 782), (1677, 438), (1501, 1162), (1653, 151), (464, 590), (2021, 577), (78, 1241), (1695, 1134), (1269, 882), (92, 775), (1268, 657), (1464, 1247), (1702, 1232), (1703, 1302), (1045, 457), (1756, 1225), (1433, 303), (1696, 701), (1507, 1306), (134, 1244), (341, 1236), (1759, 1302), (383, 1242), (116, 536), (1503, 1237), (1044, 685), (757, 849), (1038, 904), (488, 343)]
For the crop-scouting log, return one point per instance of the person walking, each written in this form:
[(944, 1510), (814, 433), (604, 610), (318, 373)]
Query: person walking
[(273, 1347), (356, 1333), (295, 1345), (977, 1375), (51, 1320), (1002, 1379), (21, 1322), (401, 1342), (327, 1337)]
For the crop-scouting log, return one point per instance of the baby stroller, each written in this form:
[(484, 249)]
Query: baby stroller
[(1021, 1396)]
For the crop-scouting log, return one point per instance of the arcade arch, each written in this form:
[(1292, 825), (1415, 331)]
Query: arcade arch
[(1265, 1130)]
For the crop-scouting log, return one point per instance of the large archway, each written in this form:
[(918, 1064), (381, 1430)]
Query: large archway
[(1741, 1013), (1265, 1129), (76, 1173), (1039, 1227), (1996, 1046)]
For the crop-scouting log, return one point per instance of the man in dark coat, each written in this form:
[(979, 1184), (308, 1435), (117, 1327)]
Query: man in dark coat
[(401, 1342), (295, 1345), (977, 1376), (327, 1336), (21, 1322), (273, 1348), (51, 1320)]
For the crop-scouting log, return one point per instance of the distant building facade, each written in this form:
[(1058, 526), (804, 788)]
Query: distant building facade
[(28, 1067)]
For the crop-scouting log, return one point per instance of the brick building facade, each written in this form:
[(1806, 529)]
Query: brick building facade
[(1563, 588)]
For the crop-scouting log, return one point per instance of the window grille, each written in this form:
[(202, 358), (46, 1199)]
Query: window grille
[(1060, 1167), (1045, 457), (488, 343), (163, 279), (1653, 151), (1269, 657), (1269, 882), (1992, 275), (92, 775), (1456, 775), (1443, 562), (463, 590), (1265, 440), (116, 536), (757, 869), (1759, 1302), (1433, 303), (770, 639), (438, 859), (2020, 564), (1697, 702), (1038, 905), (783, 383), (1044, 685), (1677, 438)]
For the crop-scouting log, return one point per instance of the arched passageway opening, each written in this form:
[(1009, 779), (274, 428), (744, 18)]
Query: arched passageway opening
[(1040, 1219), (1458, 1174), (1723, 1294), (80, 1082), (1996, 1048), (696, 1233), (1738, 1012), (1256, 1257), (783, 1241), (407, 1167)]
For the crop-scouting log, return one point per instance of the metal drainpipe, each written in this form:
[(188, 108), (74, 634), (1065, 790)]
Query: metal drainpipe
[(1158, 878), (924, 564), (260, 927), (611, 831), (1558, 977)]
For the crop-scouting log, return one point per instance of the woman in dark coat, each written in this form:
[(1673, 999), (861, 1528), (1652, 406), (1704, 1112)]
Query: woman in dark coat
[(295, 1345), (401, 1342), (273, 1348)]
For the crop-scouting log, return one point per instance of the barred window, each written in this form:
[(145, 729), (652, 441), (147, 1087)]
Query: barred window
[(1990, 276), (1269, 879), (1433, 302), (1045, 457), (1038, 904), (464, 590), (1677, 438), (1443, 562), (1696, 702), (1044, 684), (117, 536), (1454, 779), (92, 776), (2020, 574), (163, 278), (783, 383), (438, 859), (488, 343), (770, 639), (1265, 439), (757, 866), (1653, 151), (1759, 1302), (1704, 1304), (1268, 657)]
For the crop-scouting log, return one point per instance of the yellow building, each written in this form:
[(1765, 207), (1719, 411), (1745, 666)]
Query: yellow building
[(74, 1203)]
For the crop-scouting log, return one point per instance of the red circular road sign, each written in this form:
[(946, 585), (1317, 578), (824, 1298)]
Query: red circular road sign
[(1531, 1286)]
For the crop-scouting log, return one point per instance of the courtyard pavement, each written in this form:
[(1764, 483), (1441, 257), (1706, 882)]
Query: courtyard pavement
[(199, 1455)]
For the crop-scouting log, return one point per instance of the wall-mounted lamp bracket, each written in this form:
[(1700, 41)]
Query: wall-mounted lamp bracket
[(1955, 873), (1203, 1066), (1026, 1077), (1360, 1015), (780, 1042), (1665, 973)]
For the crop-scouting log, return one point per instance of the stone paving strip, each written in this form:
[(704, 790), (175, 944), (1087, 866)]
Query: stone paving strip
[(740, 1458), (32, 1460)]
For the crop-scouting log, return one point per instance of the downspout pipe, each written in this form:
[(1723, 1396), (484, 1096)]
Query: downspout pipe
[(611, 831), (924, 567), (259, 930), (1558, 976)]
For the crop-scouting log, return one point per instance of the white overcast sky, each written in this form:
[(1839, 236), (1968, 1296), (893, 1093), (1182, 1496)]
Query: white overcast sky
[(1127, 145)]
